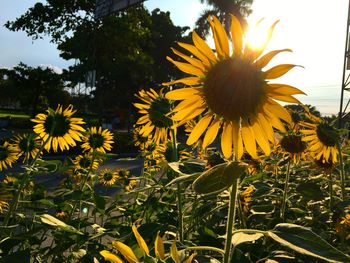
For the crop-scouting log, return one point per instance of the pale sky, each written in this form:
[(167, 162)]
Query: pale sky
[(313, 29)]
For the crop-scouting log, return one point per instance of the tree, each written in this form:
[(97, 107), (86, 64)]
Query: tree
[(127, 50), (223, 9), (34, 88)]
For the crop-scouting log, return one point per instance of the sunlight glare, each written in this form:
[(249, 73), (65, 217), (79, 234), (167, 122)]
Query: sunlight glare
[(256, 37)]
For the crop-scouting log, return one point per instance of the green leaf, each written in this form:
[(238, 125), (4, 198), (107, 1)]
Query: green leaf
[(189, 167), (262, 209), (218, 178), (182, 178), (100, 203), (304, 241), (239, 238), (53, 221), (310, 191), (48, 166)]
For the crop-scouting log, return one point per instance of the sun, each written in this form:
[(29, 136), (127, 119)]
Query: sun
[(257, 37)]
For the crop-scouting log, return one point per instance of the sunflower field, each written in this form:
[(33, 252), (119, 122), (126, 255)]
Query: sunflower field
[(229, 172)]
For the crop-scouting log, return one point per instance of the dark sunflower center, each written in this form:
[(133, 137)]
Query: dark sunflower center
[(26, 144), (292, 143), (96, 140), (59, 123), (159, 108), (233, 88), (327, 134), (108, 176), (85, 162), (4, 153)]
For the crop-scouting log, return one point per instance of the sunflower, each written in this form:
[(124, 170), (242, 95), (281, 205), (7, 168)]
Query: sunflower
[(97, 139), (8, 155), (231, 91), (155, 120), (246, 198), (322, 138), (27, 145), (140, 141), (84, 162), (293, 144), (58, 128), (3, 206), (108, 177)]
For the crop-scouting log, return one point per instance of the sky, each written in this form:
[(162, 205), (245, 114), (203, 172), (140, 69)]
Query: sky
[(314, 29)]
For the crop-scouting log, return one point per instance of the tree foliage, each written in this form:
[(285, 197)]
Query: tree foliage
[(127, 49), (34, 88)]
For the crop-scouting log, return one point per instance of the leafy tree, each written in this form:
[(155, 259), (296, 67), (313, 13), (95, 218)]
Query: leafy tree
[(34, 88), (128, 50), (223, 9)]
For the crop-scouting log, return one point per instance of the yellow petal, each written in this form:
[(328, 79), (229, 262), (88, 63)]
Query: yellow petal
[(283, 89), (226, 140), (261, 138), (220, 37), (236, 35), (159, 247), (187, 68), (264, 60), (237, 139), (126, 251), (190, 258), (181, 94), (194, 50), (173, 252), (188, 115), (278, 71), (249, 140), (108, 256), (203, 47), (278, 110), (258, 51), (198, 130), (190, 81), (193, 61), (140, 240), (211, 133)]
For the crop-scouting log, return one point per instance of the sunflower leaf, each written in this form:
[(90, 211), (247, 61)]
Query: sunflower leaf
[(305, 241), (219, 178)]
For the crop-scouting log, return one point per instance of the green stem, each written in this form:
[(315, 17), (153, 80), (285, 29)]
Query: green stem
[(330, 197), (230, 221), (342, 172), (82, 187), (285, 193), (179, 190)]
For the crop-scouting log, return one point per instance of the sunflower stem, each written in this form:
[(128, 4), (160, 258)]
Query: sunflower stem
[(330, 182), (82, 187), (179, 189), (285, 192), (230, 221), (342, 172)]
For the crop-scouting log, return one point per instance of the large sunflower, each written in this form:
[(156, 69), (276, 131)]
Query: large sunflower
[(59, 128), (8, 155), (231, 90), (27, 145), (322, 138), (155, 109), (97, 139)]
